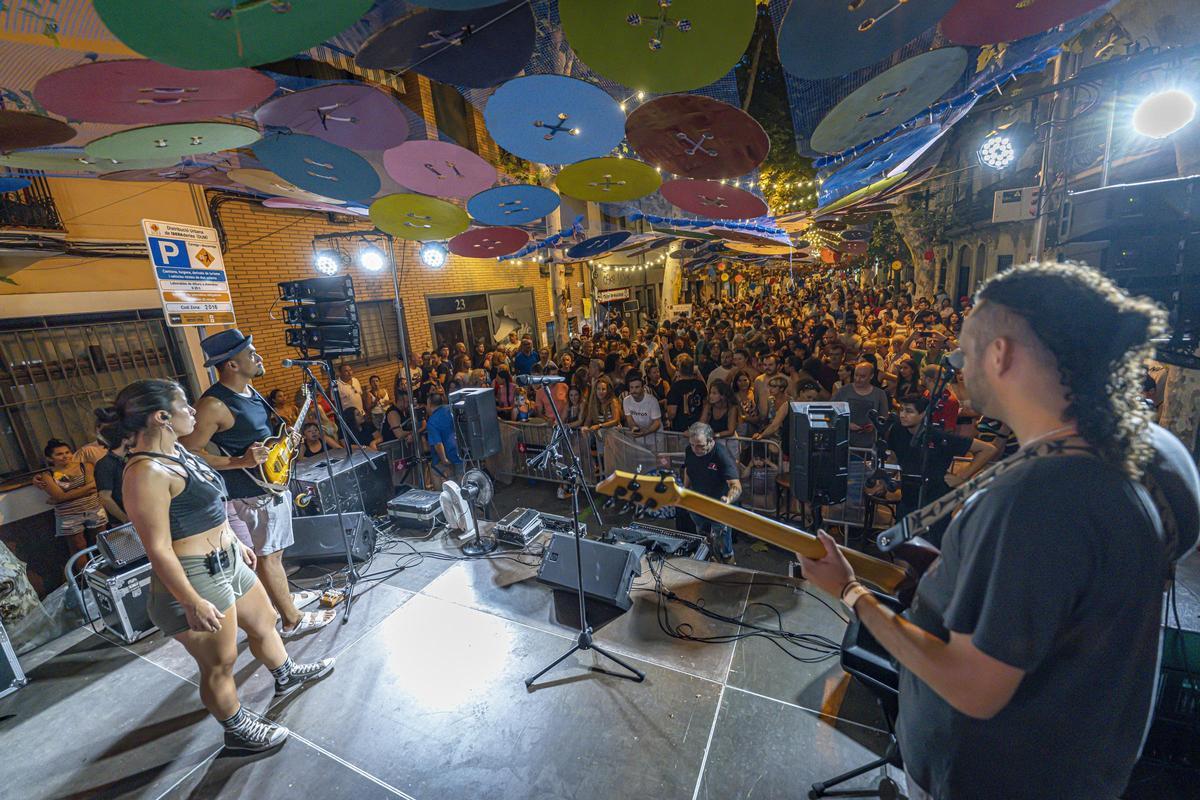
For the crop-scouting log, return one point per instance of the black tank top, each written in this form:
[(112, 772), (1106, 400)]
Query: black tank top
[(721, 423), (201, 504), (251, 423)]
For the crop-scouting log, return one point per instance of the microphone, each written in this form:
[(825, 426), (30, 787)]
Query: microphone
[(953, 361), (539, 380), (303, 362)]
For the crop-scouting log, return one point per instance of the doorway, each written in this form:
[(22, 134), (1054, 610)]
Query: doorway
[(964, 272), (469, 330)]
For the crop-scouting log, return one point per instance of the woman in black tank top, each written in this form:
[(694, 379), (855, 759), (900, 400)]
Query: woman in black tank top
[(311, 445), (204, 587)]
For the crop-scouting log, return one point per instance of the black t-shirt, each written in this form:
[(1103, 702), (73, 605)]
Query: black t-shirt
[(709, 474), (109, 472), (1057, 569), (943, 449), (688, 395)]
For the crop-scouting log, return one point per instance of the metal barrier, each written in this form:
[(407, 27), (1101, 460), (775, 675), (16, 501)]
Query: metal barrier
[(604, 451)]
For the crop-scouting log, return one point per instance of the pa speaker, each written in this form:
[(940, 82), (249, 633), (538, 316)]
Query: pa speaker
[(608, 569), (320, 539), (820, 451), (476, 425)]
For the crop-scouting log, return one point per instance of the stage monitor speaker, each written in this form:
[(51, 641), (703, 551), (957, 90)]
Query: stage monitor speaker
[(608, 569), (319, 539), (476, 425), (820, 451)]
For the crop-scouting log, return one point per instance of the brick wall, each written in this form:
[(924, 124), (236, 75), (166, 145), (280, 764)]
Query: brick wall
[(266, 246)]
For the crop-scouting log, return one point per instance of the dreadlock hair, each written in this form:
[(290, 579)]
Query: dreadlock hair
[(1098, 337)]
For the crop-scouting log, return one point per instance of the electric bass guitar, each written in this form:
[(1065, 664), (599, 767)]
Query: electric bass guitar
[(895, 578), (275, 472)]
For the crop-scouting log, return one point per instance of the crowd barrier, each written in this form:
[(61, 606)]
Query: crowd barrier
[(607, 450)]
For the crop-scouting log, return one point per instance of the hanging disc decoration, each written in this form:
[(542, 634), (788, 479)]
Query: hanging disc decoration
[(697, 137), (199, 174), (659, 46), (268, 183), (14, 184), (608, 180), (142, 92), (218, 34), (74, 159), (317, 166), (417, 217), (980, 22), (552, 119), (478, 48), (302, 205), (760, 249), (346, 114), (712, 199), (489, 242), (21, 129), (597, 246), (889, 99), (438, 168), (174, 140), (750, 238), (516, 204), (829, 38)]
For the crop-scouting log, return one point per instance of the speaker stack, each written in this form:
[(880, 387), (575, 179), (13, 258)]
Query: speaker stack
[(475, 423), (323, 319)]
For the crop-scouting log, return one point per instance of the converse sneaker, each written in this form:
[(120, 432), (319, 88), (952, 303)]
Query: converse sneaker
[(300, 674), (254, 735)]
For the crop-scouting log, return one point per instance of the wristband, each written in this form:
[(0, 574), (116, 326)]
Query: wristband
[(852, 593)]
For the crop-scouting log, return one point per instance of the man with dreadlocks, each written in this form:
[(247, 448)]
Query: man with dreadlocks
[(1029, 656)]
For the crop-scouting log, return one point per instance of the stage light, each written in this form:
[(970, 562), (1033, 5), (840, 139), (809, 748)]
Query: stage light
[(434, 254), (1164, 113), (997, 151), (371, 258), (327, 262)]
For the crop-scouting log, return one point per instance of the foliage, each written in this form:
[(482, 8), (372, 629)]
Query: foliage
[(886, 245)]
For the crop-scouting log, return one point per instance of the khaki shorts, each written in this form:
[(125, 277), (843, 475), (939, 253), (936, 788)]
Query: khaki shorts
[(262, 523), (222, 589)]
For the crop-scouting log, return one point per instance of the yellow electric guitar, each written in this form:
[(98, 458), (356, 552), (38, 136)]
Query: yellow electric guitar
[(281, 453), (654, 492)]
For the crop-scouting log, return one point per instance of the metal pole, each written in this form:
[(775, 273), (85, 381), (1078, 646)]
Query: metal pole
[(1108, 133), (1039, 226), (407, 358)]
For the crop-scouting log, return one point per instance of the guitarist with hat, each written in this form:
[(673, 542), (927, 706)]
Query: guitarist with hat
[(232, 416)]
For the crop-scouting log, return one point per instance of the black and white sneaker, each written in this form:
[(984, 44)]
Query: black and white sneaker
[(303, 674), (257, 736)]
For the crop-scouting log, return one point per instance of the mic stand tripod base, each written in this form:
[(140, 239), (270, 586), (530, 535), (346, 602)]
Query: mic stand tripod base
[(585, 642)]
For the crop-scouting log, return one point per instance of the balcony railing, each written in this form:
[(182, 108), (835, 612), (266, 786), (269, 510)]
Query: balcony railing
[(32, 207)]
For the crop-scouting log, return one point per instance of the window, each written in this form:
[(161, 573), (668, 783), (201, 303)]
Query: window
[(55, 370), (452, 114), (380, 338)]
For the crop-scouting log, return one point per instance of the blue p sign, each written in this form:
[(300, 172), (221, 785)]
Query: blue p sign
[(168, 252)]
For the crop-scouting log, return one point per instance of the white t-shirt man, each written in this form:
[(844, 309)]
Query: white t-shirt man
[(641, 413), (350, 394)]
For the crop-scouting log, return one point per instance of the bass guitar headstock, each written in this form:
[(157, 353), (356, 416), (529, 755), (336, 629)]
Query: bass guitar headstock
[(650, 491)]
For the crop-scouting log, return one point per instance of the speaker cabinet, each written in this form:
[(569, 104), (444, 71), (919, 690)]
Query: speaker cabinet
[(319, 538), (476, 425), (363, 482), (820, 451), (608, 569)]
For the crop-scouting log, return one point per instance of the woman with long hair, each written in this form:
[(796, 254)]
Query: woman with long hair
[(743, 392), (605, 409), (721, 410), (204, 587)]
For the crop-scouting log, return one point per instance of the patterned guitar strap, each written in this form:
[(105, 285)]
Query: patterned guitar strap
[(917, 523)]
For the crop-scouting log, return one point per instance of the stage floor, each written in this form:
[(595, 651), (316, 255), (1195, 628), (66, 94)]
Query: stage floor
[(428, 701)]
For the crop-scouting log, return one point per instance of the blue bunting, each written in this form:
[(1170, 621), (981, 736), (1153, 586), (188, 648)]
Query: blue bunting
[(679, 222), (549, 242)]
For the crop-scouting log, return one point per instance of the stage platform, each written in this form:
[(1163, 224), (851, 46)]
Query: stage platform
[(428, 701)]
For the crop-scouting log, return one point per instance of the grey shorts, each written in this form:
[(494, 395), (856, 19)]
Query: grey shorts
[(262, 523), (222, 589)]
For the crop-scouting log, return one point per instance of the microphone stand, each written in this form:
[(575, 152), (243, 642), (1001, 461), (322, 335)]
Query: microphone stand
[(315, 387), (572, 471), (927, 432)]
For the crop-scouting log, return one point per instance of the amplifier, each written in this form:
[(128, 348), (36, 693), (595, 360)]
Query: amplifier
[(319, 538), (121, 545), (122, 596), (553, 522), (359, 487), (608, 569), (12, 677), (666, 541), (519, 527)]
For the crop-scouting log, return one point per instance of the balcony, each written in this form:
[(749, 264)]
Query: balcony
[(31, 208)]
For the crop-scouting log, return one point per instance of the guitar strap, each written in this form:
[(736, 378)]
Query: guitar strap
[(918, 522)]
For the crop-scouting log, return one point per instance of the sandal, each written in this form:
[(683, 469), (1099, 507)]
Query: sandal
[(309, 622), (305, 597)]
